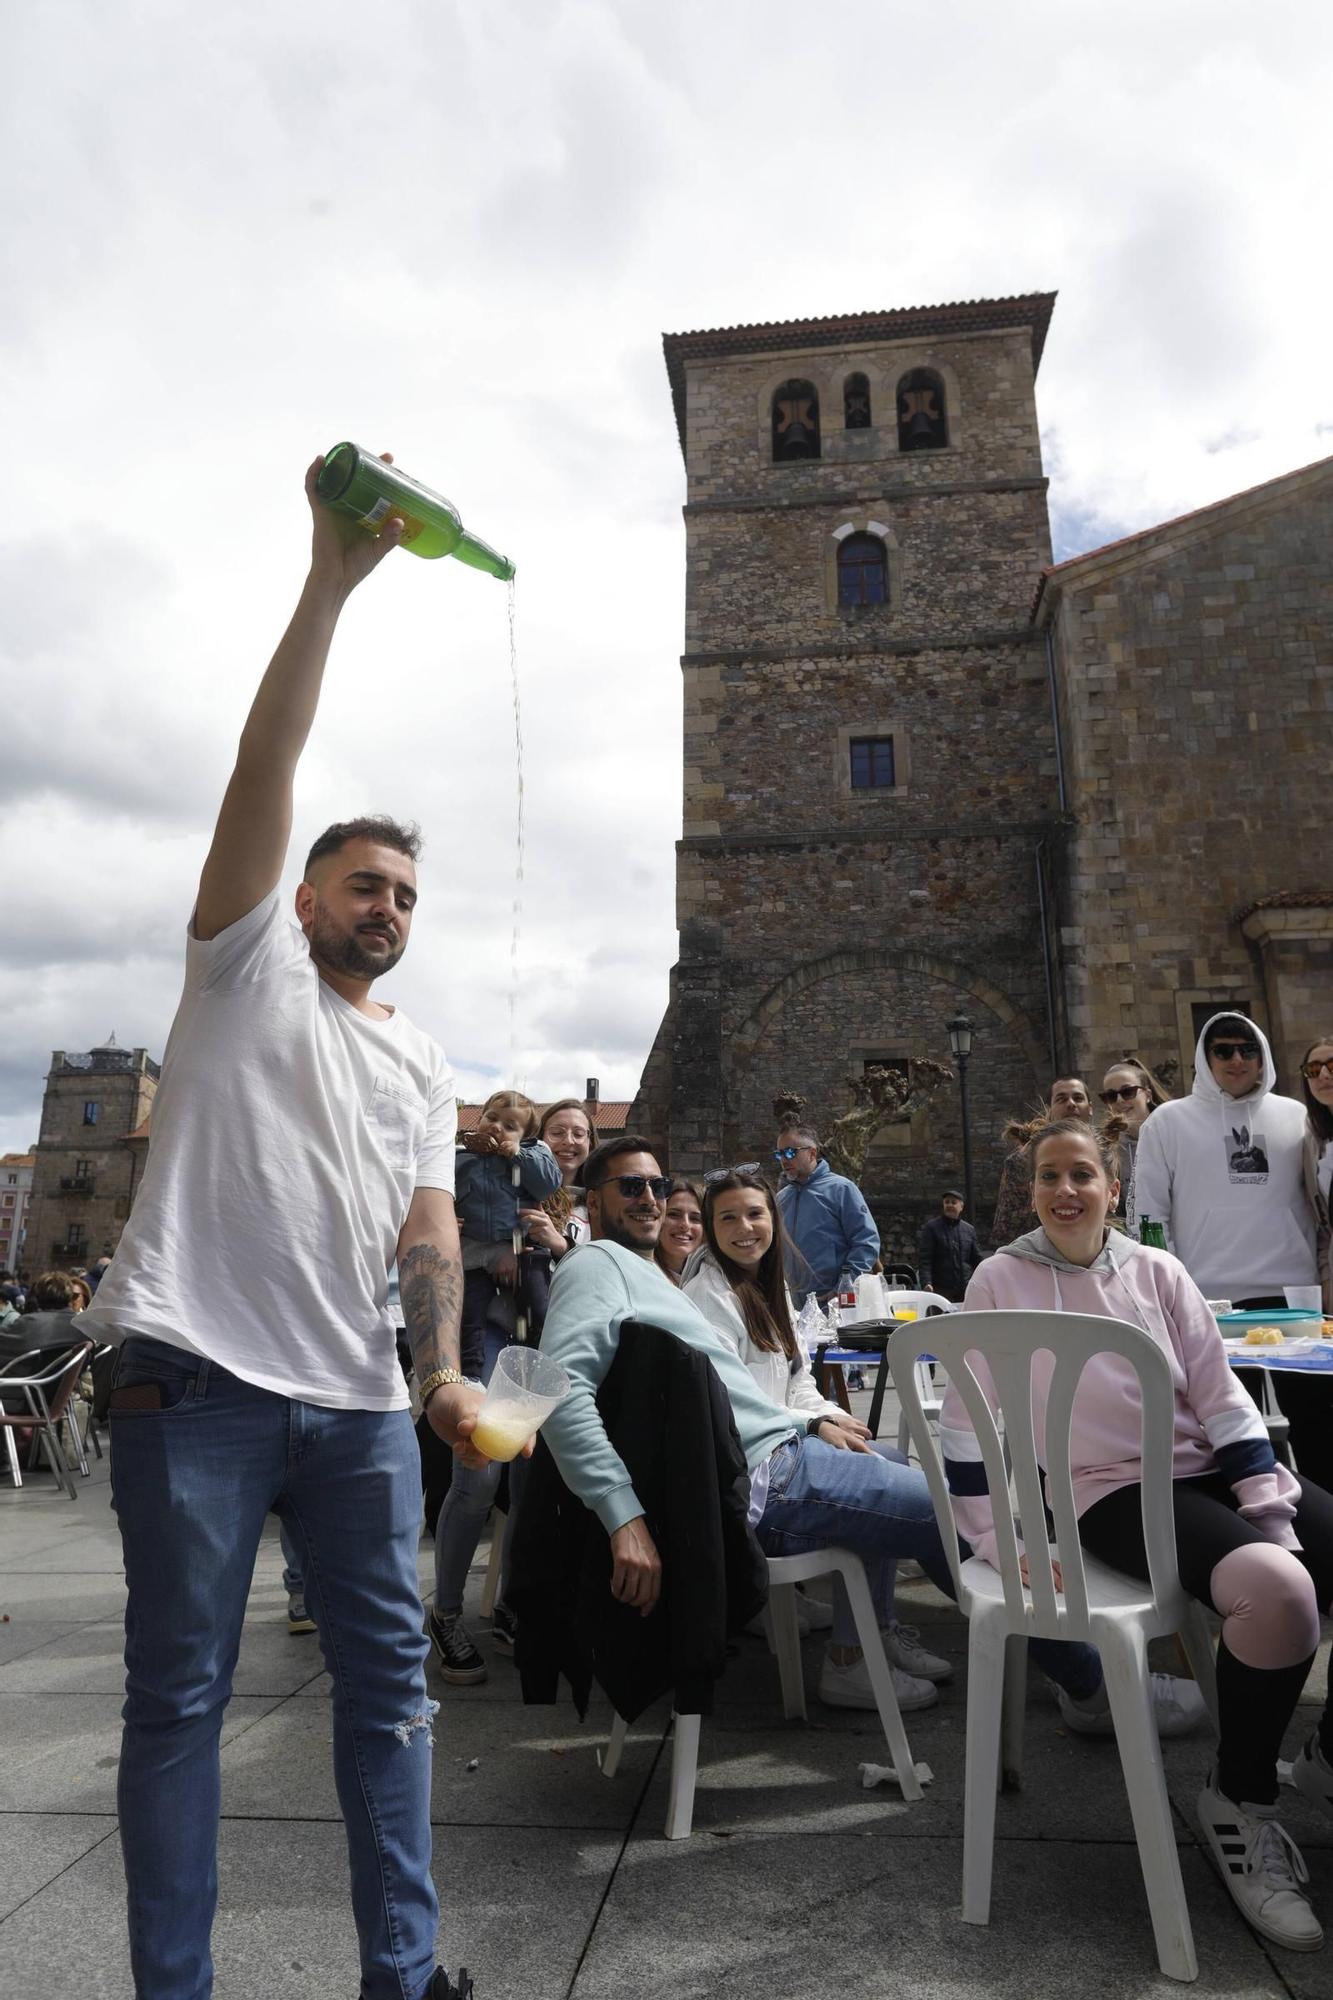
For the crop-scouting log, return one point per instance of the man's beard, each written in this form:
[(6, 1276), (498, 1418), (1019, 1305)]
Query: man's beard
[(643, 1246), (342, 951)]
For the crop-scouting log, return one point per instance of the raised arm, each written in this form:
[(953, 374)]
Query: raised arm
[(255, 823)]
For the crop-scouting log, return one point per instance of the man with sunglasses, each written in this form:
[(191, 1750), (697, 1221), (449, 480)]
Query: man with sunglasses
[(1222, 1169), (800, 1484), (831, 1230)]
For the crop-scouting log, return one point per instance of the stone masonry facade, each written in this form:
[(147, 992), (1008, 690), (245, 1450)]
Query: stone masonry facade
[(822, 926), (1195, 666), (86, 1173)]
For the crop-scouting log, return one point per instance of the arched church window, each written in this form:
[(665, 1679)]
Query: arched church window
[(795, 422), (856, 403), (923, 423), (863, 570)]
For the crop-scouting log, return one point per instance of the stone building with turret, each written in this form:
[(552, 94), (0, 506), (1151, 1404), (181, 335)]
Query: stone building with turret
[(906, 793), (86, 1169)]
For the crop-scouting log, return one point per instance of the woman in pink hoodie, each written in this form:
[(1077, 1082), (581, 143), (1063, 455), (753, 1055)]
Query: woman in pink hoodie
[(1252, 1543)]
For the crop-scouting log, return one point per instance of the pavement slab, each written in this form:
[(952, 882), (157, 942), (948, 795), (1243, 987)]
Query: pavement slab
[(284, 1928), (62, 1751), (36, 1849)]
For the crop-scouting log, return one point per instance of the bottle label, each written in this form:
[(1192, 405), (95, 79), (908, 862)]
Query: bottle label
[(376, 514)]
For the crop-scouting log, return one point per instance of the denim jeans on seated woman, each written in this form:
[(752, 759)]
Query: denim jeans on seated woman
[(879, 1506), (192, 1482)]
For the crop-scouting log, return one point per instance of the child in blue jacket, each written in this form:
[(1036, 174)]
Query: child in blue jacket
[(500, 1166)]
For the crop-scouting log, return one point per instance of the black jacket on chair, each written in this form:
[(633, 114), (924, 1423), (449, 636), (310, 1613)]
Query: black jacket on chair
[(668, 1416)]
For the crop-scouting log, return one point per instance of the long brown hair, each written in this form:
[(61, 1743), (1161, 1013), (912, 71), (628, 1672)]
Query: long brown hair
[(761, 1294), (561, 1205), (1321, 1118), (678, 1185)]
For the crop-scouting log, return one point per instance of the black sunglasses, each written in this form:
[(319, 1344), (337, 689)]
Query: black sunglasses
[(1122, 1092), (745, 1167), (1224, 1051), (633, 1185)]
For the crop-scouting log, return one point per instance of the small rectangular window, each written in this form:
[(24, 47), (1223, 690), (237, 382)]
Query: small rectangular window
[(76, 1237), (90, 1110), (1202, 1011), (872, 763)]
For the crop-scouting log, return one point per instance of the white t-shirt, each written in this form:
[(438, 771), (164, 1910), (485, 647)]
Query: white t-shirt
[(289, 1132)]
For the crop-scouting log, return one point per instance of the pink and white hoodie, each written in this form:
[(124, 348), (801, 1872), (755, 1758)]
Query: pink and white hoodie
[(1217, 1427)]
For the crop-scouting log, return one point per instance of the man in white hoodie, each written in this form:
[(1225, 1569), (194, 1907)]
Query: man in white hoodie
[(1221, 1169)]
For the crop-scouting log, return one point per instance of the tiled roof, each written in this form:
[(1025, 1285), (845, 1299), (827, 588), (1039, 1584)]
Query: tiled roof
[(608, 1115), (18, 1159), (1058, 571), (1029, 309)]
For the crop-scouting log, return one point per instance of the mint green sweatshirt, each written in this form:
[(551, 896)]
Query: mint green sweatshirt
[(596, 1287)]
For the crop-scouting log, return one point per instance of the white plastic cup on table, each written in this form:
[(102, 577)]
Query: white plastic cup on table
[(1303, 1298), (524, 1388)]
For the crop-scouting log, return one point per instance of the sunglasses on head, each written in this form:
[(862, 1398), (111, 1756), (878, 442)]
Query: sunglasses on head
[(633, 1185), (1122, 1092), (1317, 1067), (745, 1167), (1224, 1051)]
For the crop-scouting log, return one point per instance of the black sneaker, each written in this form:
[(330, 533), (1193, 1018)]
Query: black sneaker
[(504, 1628), (442, 1986), (460, 1662)]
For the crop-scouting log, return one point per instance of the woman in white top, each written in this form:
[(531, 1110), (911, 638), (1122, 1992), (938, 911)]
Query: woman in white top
[(738, 1285)]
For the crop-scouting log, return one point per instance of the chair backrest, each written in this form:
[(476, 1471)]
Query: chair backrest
[(55, 1368), (1009, 1343), (896, 1276)]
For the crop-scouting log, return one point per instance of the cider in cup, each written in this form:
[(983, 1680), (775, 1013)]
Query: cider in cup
[(524, 1388), (502, 1431)]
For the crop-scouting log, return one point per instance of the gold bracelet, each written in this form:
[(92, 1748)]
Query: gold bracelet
[(439, 1378)]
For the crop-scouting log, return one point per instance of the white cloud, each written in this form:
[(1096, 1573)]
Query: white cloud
[(236, 236)]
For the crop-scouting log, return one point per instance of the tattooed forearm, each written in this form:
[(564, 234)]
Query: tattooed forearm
[(430, 1284)]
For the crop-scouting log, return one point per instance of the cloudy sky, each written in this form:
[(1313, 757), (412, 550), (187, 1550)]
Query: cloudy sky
[(235, 235)]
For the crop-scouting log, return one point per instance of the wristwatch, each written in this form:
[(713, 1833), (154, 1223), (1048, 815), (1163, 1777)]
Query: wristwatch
[(812, 1426), (440, 1378)]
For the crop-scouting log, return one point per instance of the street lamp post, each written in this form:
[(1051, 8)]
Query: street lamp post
[(960, 1042)]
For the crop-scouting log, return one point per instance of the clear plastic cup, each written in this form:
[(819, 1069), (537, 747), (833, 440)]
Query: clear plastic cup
[(1303, 1298), (524, 1388)]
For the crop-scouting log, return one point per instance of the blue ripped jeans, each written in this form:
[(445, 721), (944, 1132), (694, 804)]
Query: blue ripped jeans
[(192, 1483)]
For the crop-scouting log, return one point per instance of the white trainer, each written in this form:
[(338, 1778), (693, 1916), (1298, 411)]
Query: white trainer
[(1312, 1775), (849, 1687), (1177, 1707), (903, 1648), (1262, 1867)]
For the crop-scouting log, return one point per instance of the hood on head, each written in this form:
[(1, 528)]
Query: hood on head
[(1206, 1084)]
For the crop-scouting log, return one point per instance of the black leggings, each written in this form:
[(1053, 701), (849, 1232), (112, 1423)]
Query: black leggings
[(1255, 1704)]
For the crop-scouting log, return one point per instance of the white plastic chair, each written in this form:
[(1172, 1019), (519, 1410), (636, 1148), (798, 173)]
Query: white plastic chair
[(925, 1377), (1116, 1613), (784, 1573)]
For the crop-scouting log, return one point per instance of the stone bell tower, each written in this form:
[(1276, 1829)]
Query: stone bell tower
[(870, 794)]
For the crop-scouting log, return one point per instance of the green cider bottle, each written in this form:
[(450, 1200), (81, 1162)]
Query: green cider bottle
[(357, 483), (1152, 1234)]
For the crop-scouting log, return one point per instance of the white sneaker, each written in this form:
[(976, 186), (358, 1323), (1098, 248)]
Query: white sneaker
[(849, 1687), (1177, 1707), (815, 1614), (1312, 1775), (903, 1648), (1262, 1867)]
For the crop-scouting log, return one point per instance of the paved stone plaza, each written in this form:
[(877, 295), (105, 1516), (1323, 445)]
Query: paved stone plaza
[(556, 1882)]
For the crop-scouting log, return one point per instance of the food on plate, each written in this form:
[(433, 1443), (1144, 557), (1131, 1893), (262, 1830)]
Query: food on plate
[(1264, 1336)]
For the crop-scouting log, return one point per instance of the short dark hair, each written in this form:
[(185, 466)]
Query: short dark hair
[(799, 1130), (597, 1166), (1228, 1027), (53, 1291), (385, 832)]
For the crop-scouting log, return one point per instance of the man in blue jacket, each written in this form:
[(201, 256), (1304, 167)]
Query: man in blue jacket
[(824, 1214)]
